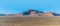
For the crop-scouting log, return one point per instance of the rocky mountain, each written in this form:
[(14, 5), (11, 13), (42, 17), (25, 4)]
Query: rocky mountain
[(39, 13), (32, 13), (48, 14), (56, 14)]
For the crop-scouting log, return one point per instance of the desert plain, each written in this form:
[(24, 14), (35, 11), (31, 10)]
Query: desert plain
[(29, 21)]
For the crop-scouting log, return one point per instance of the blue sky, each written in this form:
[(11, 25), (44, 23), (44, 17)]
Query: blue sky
[(16, 6)]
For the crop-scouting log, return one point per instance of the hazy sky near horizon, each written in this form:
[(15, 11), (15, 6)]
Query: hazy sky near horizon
[(16, 6)]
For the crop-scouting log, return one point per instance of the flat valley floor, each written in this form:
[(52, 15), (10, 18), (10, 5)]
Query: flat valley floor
[(29, 21)]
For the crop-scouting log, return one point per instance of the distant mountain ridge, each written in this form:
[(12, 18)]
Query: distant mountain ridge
[(41, 12), (29, 11), (32, 12)]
